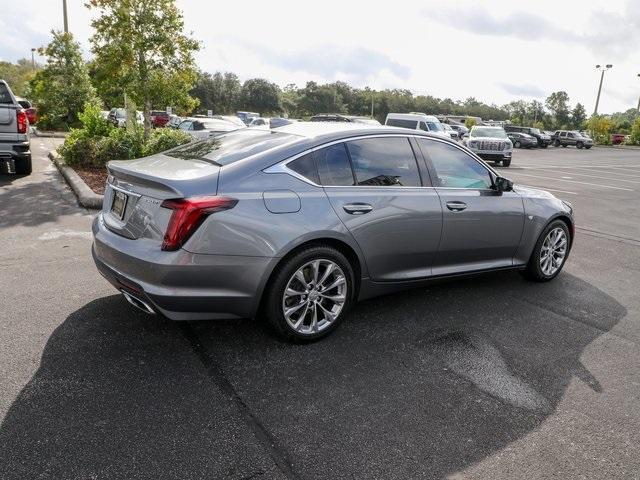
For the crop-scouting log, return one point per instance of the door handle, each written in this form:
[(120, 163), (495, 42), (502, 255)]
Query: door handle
[(357, 208), (456, 206)]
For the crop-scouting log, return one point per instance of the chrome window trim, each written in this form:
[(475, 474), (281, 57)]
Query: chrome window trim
[(281, 167)]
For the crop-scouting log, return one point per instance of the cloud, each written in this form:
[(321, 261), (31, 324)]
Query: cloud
[(332, 61), (522, 90), (614, 35)]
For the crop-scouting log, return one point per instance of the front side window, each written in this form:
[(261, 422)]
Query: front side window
[(454, 168), (386, 161), (333, 165)]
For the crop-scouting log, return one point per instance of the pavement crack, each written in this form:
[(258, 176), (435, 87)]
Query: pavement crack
[(277, 453)]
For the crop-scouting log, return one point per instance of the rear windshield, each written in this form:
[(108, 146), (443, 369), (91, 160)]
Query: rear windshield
[(5, 96), (234, 146), (396, 122)]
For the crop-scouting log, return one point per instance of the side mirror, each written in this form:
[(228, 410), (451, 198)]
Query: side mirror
[(503, 184), (466, 135)]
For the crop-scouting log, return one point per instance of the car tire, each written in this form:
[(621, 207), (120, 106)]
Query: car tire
[(588, 146), (286, 289), (537, 269), (516, 144), (546, 145), (506, 163), (23, 166), (556, 143), (564, 145), (579, 145)]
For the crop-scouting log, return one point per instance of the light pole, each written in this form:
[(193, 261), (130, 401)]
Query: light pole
[(64, 13), (33, 58), (602, 68)]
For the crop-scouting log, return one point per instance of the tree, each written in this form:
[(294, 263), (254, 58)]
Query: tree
[(600, 127), (578, 116), (18, 75), (261, 96), (558, 105), (141, 45), (62, 87), (218, 92)]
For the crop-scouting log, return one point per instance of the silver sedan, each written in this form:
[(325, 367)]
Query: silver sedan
[(299, 222)]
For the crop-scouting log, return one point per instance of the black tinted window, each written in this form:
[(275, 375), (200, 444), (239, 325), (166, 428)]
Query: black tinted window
[(5, 97), (454, 168), (305, 166), (394, 122), (387, 161), (333, 165)]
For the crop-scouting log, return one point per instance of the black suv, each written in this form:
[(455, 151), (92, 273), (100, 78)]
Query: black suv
[(543, 139), (565, 138)]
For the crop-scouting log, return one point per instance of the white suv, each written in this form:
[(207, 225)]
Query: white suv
[(417, 121), (490, 143)]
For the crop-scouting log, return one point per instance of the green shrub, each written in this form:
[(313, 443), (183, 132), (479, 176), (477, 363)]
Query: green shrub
[(98, 142), (164, 139)]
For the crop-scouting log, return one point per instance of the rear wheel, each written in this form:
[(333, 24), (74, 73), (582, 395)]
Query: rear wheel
[(310, 294), (556, 143), (23, 166), (550, 252)]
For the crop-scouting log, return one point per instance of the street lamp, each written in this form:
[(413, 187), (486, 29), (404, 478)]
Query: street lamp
[(602, 68), (64, 16), (33, 59)]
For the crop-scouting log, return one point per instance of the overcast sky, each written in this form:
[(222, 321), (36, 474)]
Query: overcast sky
[(494, 50)]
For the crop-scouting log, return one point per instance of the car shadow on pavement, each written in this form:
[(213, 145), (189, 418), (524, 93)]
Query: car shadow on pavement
[(420, 384), (34, 202)]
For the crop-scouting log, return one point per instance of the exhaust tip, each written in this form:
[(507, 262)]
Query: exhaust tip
[(140, 304)]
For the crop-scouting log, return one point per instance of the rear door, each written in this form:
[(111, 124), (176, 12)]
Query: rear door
[(386, 202), (481, 226)]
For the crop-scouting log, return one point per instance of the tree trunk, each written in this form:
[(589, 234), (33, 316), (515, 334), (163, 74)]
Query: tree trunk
[(147, 119)]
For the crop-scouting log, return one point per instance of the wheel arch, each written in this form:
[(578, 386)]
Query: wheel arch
[(352, 253)]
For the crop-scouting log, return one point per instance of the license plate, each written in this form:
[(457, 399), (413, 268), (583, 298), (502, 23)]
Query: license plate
[(119, 203)]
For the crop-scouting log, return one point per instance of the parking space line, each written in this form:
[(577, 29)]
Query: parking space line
[(550, 189), (576, 181), (598, 176)]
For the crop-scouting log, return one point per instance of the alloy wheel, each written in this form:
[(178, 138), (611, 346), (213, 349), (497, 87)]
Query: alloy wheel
[(314, 296), (553, 251)]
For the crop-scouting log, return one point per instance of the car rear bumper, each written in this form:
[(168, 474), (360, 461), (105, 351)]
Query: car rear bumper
[(180, 285)]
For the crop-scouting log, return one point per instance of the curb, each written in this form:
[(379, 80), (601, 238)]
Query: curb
[(38, 133), (86, 197), (622, 147)]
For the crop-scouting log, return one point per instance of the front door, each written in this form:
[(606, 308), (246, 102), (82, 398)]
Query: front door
[(376, 189), (482, 227)]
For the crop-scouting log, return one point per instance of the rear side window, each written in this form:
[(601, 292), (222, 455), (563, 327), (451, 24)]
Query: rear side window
[(386, 161), (333, 165), (396, 122), (454, 168), (5, 96), (305, 166)]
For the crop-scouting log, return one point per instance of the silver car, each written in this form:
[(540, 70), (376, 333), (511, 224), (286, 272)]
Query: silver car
[(301, 221)]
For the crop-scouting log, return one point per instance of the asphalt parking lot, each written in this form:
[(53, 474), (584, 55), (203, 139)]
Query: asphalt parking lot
[(487, 377)]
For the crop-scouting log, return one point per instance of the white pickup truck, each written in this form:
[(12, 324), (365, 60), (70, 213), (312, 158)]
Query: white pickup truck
[(15, 152)]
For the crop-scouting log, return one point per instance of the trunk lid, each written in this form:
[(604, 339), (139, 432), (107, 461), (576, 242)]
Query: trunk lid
[(136, 189)]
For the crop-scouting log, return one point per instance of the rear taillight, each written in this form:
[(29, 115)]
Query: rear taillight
[(188, 214), (23, 121)]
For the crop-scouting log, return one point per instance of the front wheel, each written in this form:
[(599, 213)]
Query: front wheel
[(556, 143), (588, 146), (550, 252), (517, 144), (506, 162), (310, 294), (579, 145)]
